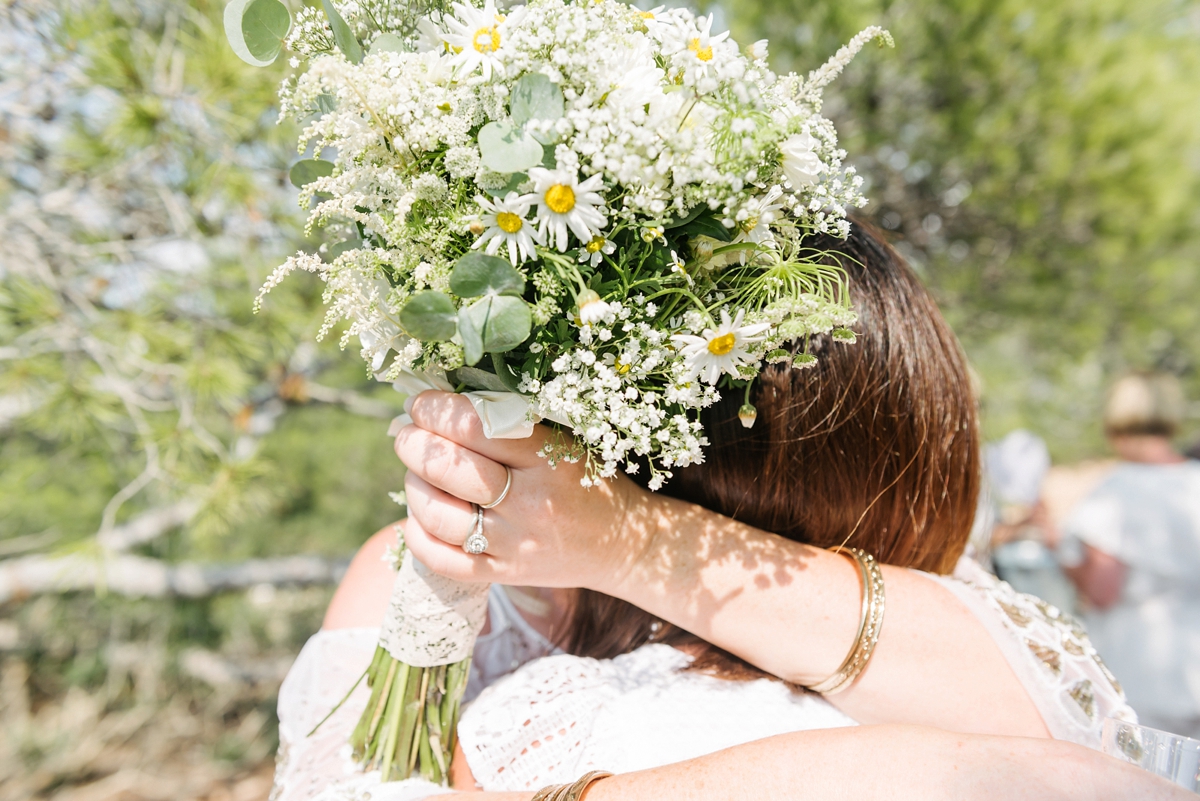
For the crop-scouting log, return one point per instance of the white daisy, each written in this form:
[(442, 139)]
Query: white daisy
[(505, 224), (596, 249), (475, 37), (564, 202), (721, 349)]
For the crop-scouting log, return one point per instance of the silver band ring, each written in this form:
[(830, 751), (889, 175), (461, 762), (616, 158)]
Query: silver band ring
[(476, 543), (503, 493)]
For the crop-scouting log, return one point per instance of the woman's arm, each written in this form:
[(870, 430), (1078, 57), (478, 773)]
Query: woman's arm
[(1100, 577), (790, 609), (884, 762)]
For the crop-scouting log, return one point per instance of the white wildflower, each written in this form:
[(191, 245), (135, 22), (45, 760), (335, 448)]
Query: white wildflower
[(505, 224), (721, 349), (566, 203)]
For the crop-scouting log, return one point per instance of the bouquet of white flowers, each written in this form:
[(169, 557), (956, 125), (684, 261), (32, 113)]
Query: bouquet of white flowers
[(576, 210)]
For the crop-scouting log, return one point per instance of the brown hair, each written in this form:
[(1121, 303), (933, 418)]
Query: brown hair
[(875, 446)]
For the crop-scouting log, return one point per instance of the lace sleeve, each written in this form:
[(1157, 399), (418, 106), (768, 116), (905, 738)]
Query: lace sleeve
[(529, 729), (1049, 651)]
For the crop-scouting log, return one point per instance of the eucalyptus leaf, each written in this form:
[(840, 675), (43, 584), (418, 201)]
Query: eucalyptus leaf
[(306, 171), (475, 378), (477, 274), (504, 148), (429, 316), (536, 97), (472, 338), (256, 29), (506, 375), (514, 182), (388, 43), (502, 322), (345, 38)]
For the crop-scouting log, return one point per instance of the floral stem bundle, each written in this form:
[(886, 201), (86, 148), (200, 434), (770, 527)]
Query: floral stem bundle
[(576, 212)]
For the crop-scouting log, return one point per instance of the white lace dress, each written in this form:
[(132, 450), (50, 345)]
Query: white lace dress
[(558, 717)]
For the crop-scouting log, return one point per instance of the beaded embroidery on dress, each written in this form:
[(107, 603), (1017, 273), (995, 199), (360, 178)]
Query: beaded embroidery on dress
[(1050, 652)]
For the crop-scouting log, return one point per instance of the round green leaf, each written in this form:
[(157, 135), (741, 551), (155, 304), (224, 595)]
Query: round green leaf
[(503, 322), (505, 148), (429, 316), (347, 42), (535, 97), (306, 171), (256, 29), (477, 274), (472, 338), (388, 43)]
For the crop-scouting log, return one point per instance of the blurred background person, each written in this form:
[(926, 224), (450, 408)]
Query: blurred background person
[(1132, 548), (1022, 536)]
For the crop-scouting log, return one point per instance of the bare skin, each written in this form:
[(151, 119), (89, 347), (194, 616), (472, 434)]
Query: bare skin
[(897, 763), (790, 609)]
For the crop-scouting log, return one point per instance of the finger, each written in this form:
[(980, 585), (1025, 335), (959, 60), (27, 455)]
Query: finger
[(445, 559), (440, 514), (449, 466), (452, 416)]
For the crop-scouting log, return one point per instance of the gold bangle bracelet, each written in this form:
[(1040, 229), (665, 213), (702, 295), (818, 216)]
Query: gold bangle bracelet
[(870, 624), (573, 791)]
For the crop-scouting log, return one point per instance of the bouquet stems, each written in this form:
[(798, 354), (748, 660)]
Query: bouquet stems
[(408, 726)]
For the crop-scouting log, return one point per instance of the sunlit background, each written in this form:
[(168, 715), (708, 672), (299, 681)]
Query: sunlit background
[(181, 480)]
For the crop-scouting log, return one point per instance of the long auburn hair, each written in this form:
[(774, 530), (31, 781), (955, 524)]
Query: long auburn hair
[(875, 446)]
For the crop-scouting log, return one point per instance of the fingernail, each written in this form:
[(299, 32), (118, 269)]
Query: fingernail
[(408, 403), (398, 423)]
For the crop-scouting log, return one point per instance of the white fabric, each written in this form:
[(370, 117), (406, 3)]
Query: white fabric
[(505, 415), (320, 768), (1049, 652), (557, 718), (432, 620), (1148, 516)]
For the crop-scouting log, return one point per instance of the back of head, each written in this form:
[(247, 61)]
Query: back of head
[(875, 446), (1144, 404)]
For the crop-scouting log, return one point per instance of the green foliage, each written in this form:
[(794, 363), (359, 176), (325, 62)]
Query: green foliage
[(146, 203), (1040, 163)]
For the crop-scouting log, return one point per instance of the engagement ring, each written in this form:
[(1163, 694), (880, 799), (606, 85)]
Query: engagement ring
[(476, 543)]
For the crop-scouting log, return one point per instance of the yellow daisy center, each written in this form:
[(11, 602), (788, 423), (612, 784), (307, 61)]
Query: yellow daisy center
[(703, 52), (509, 223), (622, 367), (722, 345), (647, 14), (487, 39), (750, 224), (560, 198), (595, 245)]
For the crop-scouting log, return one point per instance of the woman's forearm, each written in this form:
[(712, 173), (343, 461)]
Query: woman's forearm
[(885, 762), (793, 611)]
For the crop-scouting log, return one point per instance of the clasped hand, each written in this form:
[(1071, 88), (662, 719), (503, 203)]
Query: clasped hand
[(549, 531)]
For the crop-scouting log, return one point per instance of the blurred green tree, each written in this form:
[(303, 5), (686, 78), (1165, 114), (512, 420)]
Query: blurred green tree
[(144, 198), (1040, 164)]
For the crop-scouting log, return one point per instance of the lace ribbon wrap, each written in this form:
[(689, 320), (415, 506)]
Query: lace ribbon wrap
[(432, 620)]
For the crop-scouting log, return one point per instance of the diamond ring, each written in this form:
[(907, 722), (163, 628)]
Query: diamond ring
[(476, 543)]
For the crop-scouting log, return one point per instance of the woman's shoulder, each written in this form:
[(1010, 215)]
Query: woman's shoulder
[(1050, 652)]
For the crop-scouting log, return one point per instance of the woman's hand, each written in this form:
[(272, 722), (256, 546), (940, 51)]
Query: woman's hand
[(548, 532)]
